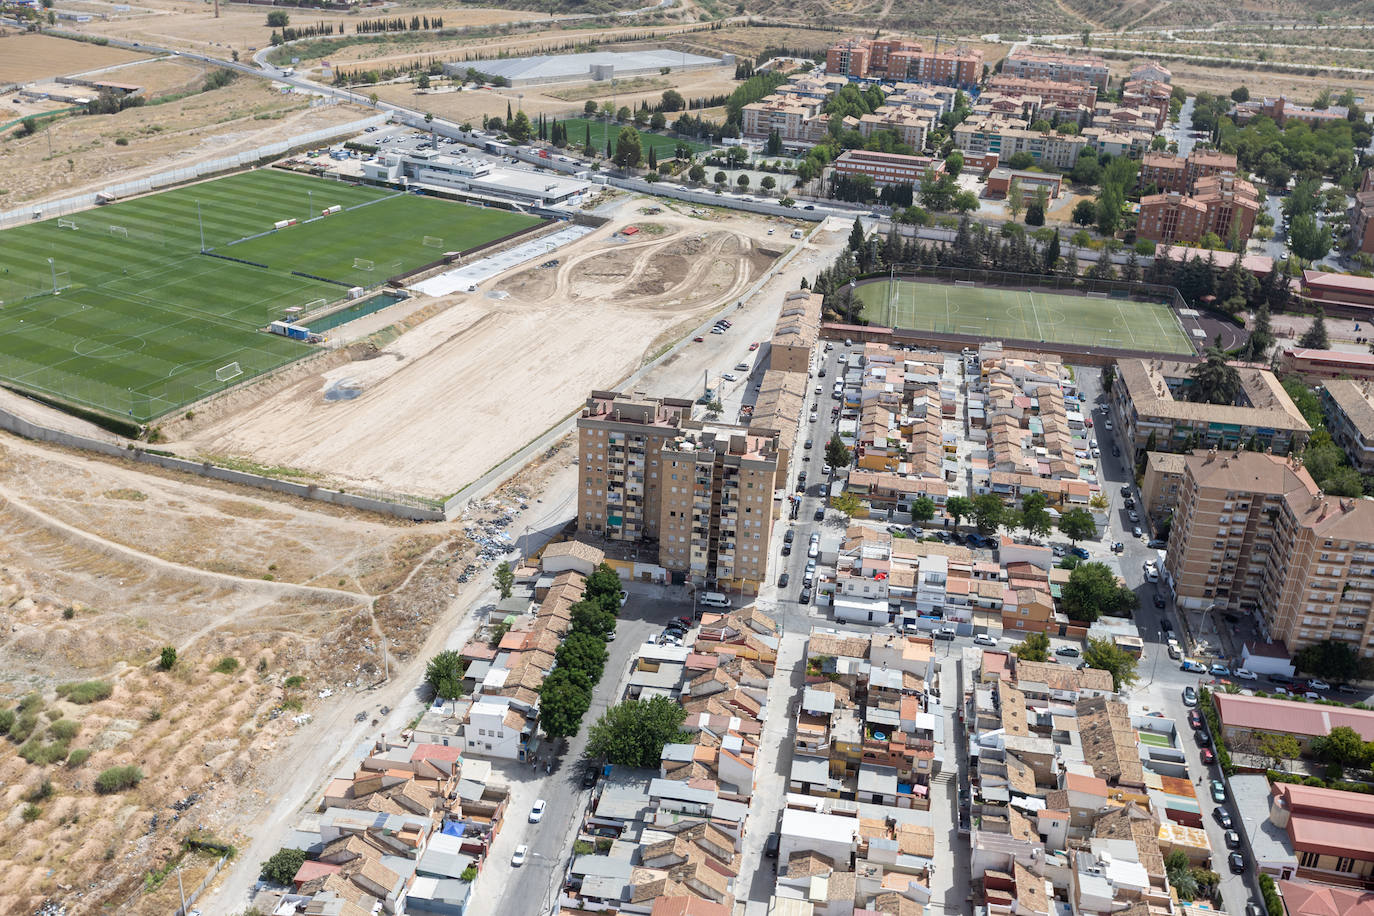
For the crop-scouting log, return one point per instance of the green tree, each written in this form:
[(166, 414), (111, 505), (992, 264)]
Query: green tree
[(1261, 336), (721, 178), (1331, 658), (1240, 94), (422, 81), (965, 202), (847, 503), (1214, 380), (768, 182), (589, 109), (856, 236), (1280, 749), (959, 508), (277, 19), (564, 698), (836, 452), (1342, 747), (1310, 240), (954, 163), (1016, 201), (673, 100), (444, 675), (583, 651), (657, 121), (1180, 873), (1034, 648), (167, 658), (1108, 656), (592, 617), (1315, 337), (519, 127), (923, 509), (283, 865), (773, 145), (1035, 518), (505, 579), (634, 733), (742, 182), (988, 512), (1092, 590), (697, 173), (604, 582), (628, 150)]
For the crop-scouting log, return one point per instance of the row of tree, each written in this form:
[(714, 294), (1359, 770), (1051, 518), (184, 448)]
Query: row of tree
[(566, 694), (399, 24)]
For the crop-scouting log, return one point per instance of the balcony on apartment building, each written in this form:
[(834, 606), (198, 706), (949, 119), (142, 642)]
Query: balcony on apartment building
[(813, 735)]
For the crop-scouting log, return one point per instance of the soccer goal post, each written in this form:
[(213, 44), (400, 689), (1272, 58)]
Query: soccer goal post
[(119, 231), (225, 373), (66, 224), (314, 304), (362, 264), (433, 241)]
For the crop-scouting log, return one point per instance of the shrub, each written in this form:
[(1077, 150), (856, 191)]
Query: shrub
[(40, 754), (24, 727), (41, 792), (32, 702), (118, 779), (121, 141), (283, 865), (32, 813), (6, 721), (85, 692), (78, 757), (68, 613), (167, 658), (582, 848), (294, 681), (469, 874), (227, 665), (1272, 901), (64, 729)]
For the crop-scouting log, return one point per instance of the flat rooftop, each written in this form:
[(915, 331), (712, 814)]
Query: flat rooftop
[(573, 66)]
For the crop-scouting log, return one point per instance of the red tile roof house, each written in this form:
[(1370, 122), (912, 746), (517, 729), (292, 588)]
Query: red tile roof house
[(1301, 898), (1245, 718), (1331, 832)]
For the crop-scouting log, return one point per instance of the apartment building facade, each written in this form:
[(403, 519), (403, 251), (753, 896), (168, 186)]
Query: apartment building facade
[(1253, 532), (888, 168), (703, 492), (1349, 409), (1033, 64), (1326, 364), (902, 60), (1044, 90), (1171, 172), (1148, 400), (1220, 204), (1008, 136)]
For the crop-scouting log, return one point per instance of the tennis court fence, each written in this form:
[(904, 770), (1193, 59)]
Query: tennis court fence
[(50, 208)]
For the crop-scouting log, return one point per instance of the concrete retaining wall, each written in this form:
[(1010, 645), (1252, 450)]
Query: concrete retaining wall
[(399, 509)]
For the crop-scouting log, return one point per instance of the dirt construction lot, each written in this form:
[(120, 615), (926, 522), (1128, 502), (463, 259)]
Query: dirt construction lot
[(456, 395), (24, 58)]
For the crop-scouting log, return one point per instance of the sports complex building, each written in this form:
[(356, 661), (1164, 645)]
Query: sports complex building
[(476, 176)]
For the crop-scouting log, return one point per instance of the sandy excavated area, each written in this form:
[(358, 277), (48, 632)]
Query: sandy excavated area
[(28, 57), (459, 393), (241, 27), (244, 115)]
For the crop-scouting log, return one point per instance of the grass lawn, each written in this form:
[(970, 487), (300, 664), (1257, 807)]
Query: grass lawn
[(142, 321), (662, 144), (996, 312)]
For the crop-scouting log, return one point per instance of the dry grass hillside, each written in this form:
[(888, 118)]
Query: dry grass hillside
[(267, 604)]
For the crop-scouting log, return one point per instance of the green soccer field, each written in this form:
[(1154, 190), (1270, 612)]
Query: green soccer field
[(662, 145), (143, 323), (995, 312)]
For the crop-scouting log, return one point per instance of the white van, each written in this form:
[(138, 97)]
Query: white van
[(713, 599)]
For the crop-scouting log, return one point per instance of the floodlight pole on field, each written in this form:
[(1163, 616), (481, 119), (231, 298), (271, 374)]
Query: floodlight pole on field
[(310, 205), (201, 223), (53, 268)]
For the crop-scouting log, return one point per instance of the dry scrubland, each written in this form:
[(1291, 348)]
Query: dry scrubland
[(102, 565), (510, 367), (87, 156)]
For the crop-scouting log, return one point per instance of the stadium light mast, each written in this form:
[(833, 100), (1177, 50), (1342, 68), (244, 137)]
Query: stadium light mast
[(53, 268), (201, 223)]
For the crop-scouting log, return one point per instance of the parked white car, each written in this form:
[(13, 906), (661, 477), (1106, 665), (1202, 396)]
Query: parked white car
[(1245, 674)]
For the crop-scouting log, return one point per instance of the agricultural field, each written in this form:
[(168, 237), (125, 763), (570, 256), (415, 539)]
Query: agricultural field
[(118, 310), (28, 57), (662, 144)]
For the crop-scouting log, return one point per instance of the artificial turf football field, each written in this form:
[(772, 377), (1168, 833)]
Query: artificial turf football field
[(662, 145), (142, 320), (1035, 315)]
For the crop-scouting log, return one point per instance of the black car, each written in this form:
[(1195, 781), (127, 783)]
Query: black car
[(1222, 816), (809, 443), (1125, 489), (790, 536), (770, 847), (805, 597), (1116, 452), (787, 550), (1237, 862), (1158, 600), (589, 777), (1069, 651), (1202, 738), (1165, 625), (820, 513), (783, 580)]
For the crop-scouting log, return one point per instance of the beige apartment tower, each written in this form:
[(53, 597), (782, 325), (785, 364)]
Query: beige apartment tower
[(1253, 532), (647, 472)]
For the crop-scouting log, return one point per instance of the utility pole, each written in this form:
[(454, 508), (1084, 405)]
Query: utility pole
[(310, 203), (182, 891)]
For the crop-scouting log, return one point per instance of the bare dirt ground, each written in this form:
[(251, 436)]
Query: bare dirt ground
[(28, 57), (470, 106), (103, 564), (1216, 79), (181, 26), (457, 394), (85, 155)]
